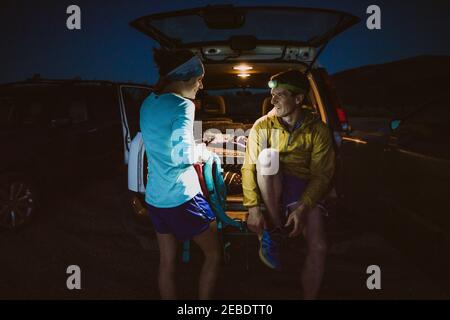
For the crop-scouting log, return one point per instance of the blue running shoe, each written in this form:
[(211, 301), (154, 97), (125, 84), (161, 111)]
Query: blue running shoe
[(269, 249)]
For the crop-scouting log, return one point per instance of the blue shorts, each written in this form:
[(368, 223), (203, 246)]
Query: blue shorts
[(293, 189), (185, 221)]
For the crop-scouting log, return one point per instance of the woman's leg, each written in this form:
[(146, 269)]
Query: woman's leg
[(167, 263), (208, 242)]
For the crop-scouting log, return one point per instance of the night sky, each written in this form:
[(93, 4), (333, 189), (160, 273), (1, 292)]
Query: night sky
[(34, 37)]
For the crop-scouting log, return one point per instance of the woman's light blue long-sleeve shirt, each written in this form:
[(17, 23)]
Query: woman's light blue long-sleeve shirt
[(166, 123)]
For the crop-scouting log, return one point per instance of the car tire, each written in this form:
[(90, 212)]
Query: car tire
[(18, 197)]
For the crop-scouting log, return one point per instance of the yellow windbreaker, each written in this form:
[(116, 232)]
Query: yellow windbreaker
[(307, 153)]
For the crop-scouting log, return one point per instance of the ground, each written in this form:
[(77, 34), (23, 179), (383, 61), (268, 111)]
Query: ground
[(91, 224)]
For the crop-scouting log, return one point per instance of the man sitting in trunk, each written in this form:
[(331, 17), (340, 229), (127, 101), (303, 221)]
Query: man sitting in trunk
[(288, 167)]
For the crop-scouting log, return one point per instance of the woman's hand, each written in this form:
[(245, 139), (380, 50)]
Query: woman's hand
[(202, 154)]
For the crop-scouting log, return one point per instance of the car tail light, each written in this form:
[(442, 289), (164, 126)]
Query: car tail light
[(341, 115), (342, 118)]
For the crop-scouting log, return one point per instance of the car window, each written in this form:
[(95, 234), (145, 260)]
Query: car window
[(24, 108), (241, 105), (246, 105), (78, 111), (71, 103), (426, 130), (6, 111), (75, 110), (32, 113), (102, 103), (311, 26), (435, 113)]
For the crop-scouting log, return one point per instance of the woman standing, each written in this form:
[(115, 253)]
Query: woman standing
[(176, 206)]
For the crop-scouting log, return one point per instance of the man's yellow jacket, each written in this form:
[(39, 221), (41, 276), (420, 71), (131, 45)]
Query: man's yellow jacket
[(306, 153)]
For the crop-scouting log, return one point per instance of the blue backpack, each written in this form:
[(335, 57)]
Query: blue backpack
[(217, 194), (217, 191)]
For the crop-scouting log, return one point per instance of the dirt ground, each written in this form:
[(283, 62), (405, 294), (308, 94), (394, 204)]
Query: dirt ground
[(91, 224)]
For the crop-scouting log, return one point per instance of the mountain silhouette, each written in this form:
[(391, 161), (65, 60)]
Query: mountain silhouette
[(394, 87)]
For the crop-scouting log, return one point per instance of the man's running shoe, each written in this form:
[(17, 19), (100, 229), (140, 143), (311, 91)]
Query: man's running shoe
[(269, 249)]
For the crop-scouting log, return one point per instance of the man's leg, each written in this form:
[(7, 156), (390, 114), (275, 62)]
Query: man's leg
[(208, 241), (167, 263), (271, 188), (314, 266)]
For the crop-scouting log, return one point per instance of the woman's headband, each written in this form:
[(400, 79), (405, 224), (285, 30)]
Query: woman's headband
[(190, 69)]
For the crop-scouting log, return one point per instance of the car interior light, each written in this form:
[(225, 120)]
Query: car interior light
[(242, 67)]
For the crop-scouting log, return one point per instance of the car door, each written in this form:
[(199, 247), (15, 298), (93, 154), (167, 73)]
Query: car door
[(103, 105), (77, 133), (25, 131), (131, 98), (416, 170)]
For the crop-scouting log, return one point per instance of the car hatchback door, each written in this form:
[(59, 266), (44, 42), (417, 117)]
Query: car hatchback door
[(229, 32)]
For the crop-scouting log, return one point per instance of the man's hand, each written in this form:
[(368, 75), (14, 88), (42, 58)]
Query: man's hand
[(255, 220), (297, 218)]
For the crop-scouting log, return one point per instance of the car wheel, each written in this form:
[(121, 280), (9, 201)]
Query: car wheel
[(17, 201)]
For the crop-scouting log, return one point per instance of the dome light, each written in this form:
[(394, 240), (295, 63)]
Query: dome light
[(242, 67)]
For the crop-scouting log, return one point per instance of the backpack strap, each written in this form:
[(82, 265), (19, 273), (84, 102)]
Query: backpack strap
[(212, 172)]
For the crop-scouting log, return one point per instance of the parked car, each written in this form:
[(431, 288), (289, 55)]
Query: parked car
[(241, 47), (416, 180), (58, 129)]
